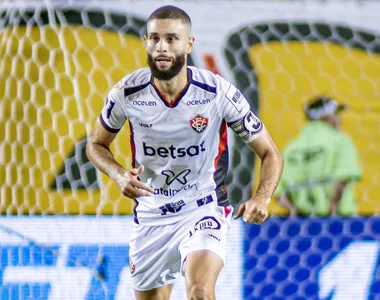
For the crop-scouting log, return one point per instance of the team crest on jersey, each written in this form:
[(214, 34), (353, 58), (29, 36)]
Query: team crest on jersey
[(199, 123)]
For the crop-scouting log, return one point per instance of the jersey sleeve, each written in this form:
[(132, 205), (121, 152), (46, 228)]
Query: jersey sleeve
[(346, 162), (235, 110), (112, 116)]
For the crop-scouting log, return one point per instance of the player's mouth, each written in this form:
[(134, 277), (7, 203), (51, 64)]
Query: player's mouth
[(163, 61)]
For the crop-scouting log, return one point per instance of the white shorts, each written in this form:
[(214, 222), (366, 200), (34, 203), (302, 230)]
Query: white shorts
[(157, 253)]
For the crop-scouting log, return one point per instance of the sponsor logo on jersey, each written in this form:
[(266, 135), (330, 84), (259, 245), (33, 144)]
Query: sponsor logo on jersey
[(199, 123), (172, 151), (172, 207), (198, 102), (180, 177), (173, 177), (207, 222), (251, 123), (171, 192), (144, 103), (235, 97), (145, 125)]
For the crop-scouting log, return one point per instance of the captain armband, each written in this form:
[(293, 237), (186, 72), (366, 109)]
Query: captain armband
[(248, 127)]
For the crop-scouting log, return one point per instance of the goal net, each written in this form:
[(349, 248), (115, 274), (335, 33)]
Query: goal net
[(58, 64), (59, 59)]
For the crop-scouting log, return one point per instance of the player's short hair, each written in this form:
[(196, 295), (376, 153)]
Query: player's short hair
[(170, 12)]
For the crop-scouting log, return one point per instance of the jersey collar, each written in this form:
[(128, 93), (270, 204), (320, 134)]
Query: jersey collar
[(179, 96)]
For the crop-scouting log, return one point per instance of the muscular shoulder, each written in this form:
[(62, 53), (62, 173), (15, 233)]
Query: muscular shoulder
[(132, 83), (208, 78)]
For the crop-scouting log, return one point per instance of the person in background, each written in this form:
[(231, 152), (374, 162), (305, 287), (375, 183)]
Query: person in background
[(321, 165)]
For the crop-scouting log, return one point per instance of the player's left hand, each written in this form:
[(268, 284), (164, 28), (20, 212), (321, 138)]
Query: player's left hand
[(253, 211)]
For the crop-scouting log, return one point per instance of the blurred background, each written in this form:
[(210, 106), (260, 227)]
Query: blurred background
[(63, 220)]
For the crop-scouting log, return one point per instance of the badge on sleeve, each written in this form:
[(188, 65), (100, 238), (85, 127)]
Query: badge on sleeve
[(251, 123), (235, 97)]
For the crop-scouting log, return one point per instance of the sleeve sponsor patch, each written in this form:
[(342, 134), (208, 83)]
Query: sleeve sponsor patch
[(247, 127), (235, 97)]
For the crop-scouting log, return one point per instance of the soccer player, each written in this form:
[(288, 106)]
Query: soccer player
[(321, 165), (178, 117)]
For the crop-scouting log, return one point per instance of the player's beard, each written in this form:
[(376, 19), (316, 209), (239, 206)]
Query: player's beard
[(178, 63)]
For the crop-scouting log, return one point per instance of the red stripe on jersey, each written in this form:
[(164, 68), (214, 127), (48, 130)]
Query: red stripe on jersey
[(176, 99), (133, 146), (222, 143), (227, 211)]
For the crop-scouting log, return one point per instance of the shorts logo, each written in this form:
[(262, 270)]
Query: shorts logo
[(251, 123), (207, 222), (132, 267), (199, 123), (172, 207), (204, 201), (180, 177)]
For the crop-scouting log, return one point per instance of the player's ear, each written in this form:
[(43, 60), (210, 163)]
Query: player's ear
[(190, 45), (145, 41)]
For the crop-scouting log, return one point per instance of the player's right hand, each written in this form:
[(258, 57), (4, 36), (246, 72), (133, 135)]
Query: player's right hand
[(130, 186)]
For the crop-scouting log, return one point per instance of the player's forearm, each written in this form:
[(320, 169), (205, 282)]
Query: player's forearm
[(271, 169), (102, 158)]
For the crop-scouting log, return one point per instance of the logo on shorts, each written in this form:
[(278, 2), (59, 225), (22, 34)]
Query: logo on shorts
[(173, 207), (199, 123), (132, 267), (208, 222)]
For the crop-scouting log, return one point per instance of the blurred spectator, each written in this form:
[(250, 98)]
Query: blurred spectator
[(320, 165)]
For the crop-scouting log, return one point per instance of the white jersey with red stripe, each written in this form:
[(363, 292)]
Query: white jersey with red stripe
[(182, 144)]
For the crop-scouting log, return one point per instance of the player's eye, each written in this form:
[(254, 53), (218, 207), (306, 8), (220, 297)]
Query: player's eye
[(171, 39), (154, 38)]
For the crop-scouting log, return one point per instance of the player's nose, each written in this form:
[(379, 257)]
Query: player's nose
[(162, 46)]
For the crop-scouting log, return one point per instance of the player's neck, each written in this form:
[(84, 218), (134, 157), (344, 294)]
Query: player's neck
[(173, 87)]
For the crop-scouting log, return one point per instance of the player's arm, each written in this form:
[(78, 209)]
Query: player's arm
[(255, 210), (234, 108), (99, 153), (111, 120)]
